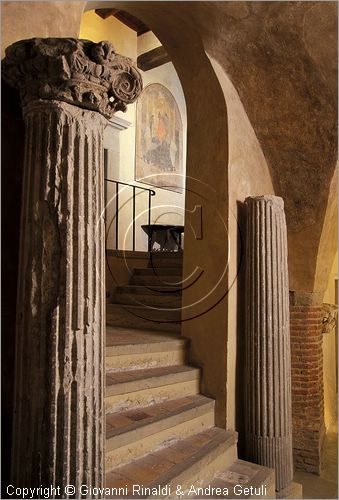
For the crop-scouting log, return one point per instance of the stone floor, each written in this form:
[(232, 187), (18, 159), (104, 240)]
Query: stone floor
[(325, 485)]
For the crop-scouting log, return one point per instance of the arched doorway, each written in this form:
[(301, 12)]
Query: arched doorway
[(206, 188)]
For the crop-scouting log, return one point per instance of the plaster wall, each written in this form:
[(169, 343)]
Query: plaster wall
[(22, 20), (147, 41), (94, 28), (248, 176), (328, 245), (330, 354), (167, 206)]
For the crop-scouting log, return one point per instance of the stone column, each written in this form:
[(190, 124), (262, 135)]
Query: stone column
[(268, 363), (67, 88)]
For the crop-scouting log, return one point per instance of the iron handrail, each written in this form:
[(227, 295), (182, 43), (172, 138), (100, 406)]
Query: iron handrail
[(151, 193)]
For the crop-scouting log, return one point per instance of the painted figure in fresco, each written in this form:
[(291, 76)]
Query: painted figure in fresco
[(159, 138), (160, 151)]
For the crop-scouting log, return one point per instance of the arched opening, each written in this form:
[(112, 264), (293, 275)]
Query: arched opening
[(146, 146), (206, 195)]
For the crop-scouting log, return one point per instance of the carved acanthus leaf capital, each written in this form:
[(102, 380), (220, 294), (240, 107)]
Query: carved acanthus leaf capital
[(330, 317), (80, 72)]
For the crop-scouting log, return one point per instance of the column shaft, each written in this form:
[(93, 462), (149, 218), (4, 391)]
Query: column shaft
[(268, 365), (59, 418)]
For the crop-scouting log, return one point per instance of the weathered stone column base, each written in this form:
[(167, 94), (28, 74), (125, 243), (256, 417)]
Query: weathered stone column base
[(274, 451), (293, 490)]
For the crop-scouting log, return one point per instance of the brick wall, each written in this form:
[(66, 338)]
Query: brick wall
[(307, 386)]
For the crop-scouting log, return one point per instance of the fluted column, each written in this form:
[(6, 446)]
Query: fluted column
[(268, 363), (67, 87)]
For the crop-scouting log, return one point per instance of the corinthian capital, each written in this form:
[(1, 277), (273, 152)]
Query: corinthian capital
[(80, 72)]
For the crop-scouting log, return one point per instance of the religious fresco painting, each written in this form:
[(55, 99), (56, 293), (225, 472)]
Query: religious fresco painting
[(159, 139)]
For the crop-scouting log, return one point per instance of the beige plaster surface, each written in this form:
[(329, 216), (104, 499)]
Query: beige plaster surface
[(147, 41), (328, 246), (330, 349), (21, 20), (94, 28), (248, 176)]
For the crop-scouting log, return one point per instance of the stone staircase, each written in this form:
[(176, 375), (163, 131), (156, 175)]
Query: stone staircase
[(160, 430), (152, 299)]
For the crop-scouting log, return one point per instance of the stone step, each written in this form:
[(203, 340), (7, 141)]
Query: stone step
[(143, 317), (162, 259), (166, 291), (166, 301), (174, 281), (197, 458), (136, 432), (240, 480), (156, 271), (135, 388), (132, 349), (166, 254)]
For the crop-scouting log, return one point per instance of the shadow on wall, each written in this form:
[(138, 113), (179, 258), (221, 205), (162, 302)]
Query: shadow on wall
[(11, 176), (241, 330)]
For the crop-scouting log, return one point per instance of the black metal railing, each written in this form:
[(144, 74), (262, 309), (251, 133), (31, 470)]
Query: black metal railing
[(136, 190)]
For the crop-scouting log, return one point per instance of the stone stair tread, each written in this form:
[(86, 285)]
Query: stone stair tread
[(163, 465), (246, 474), (148, 300), (170, 277), (131, 315), (135, 418), (122, 382), (146, 373), (117, 317), (155, 270), (151, 280), (166, 253), (137, 309), (120, 336), (154, 289)]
